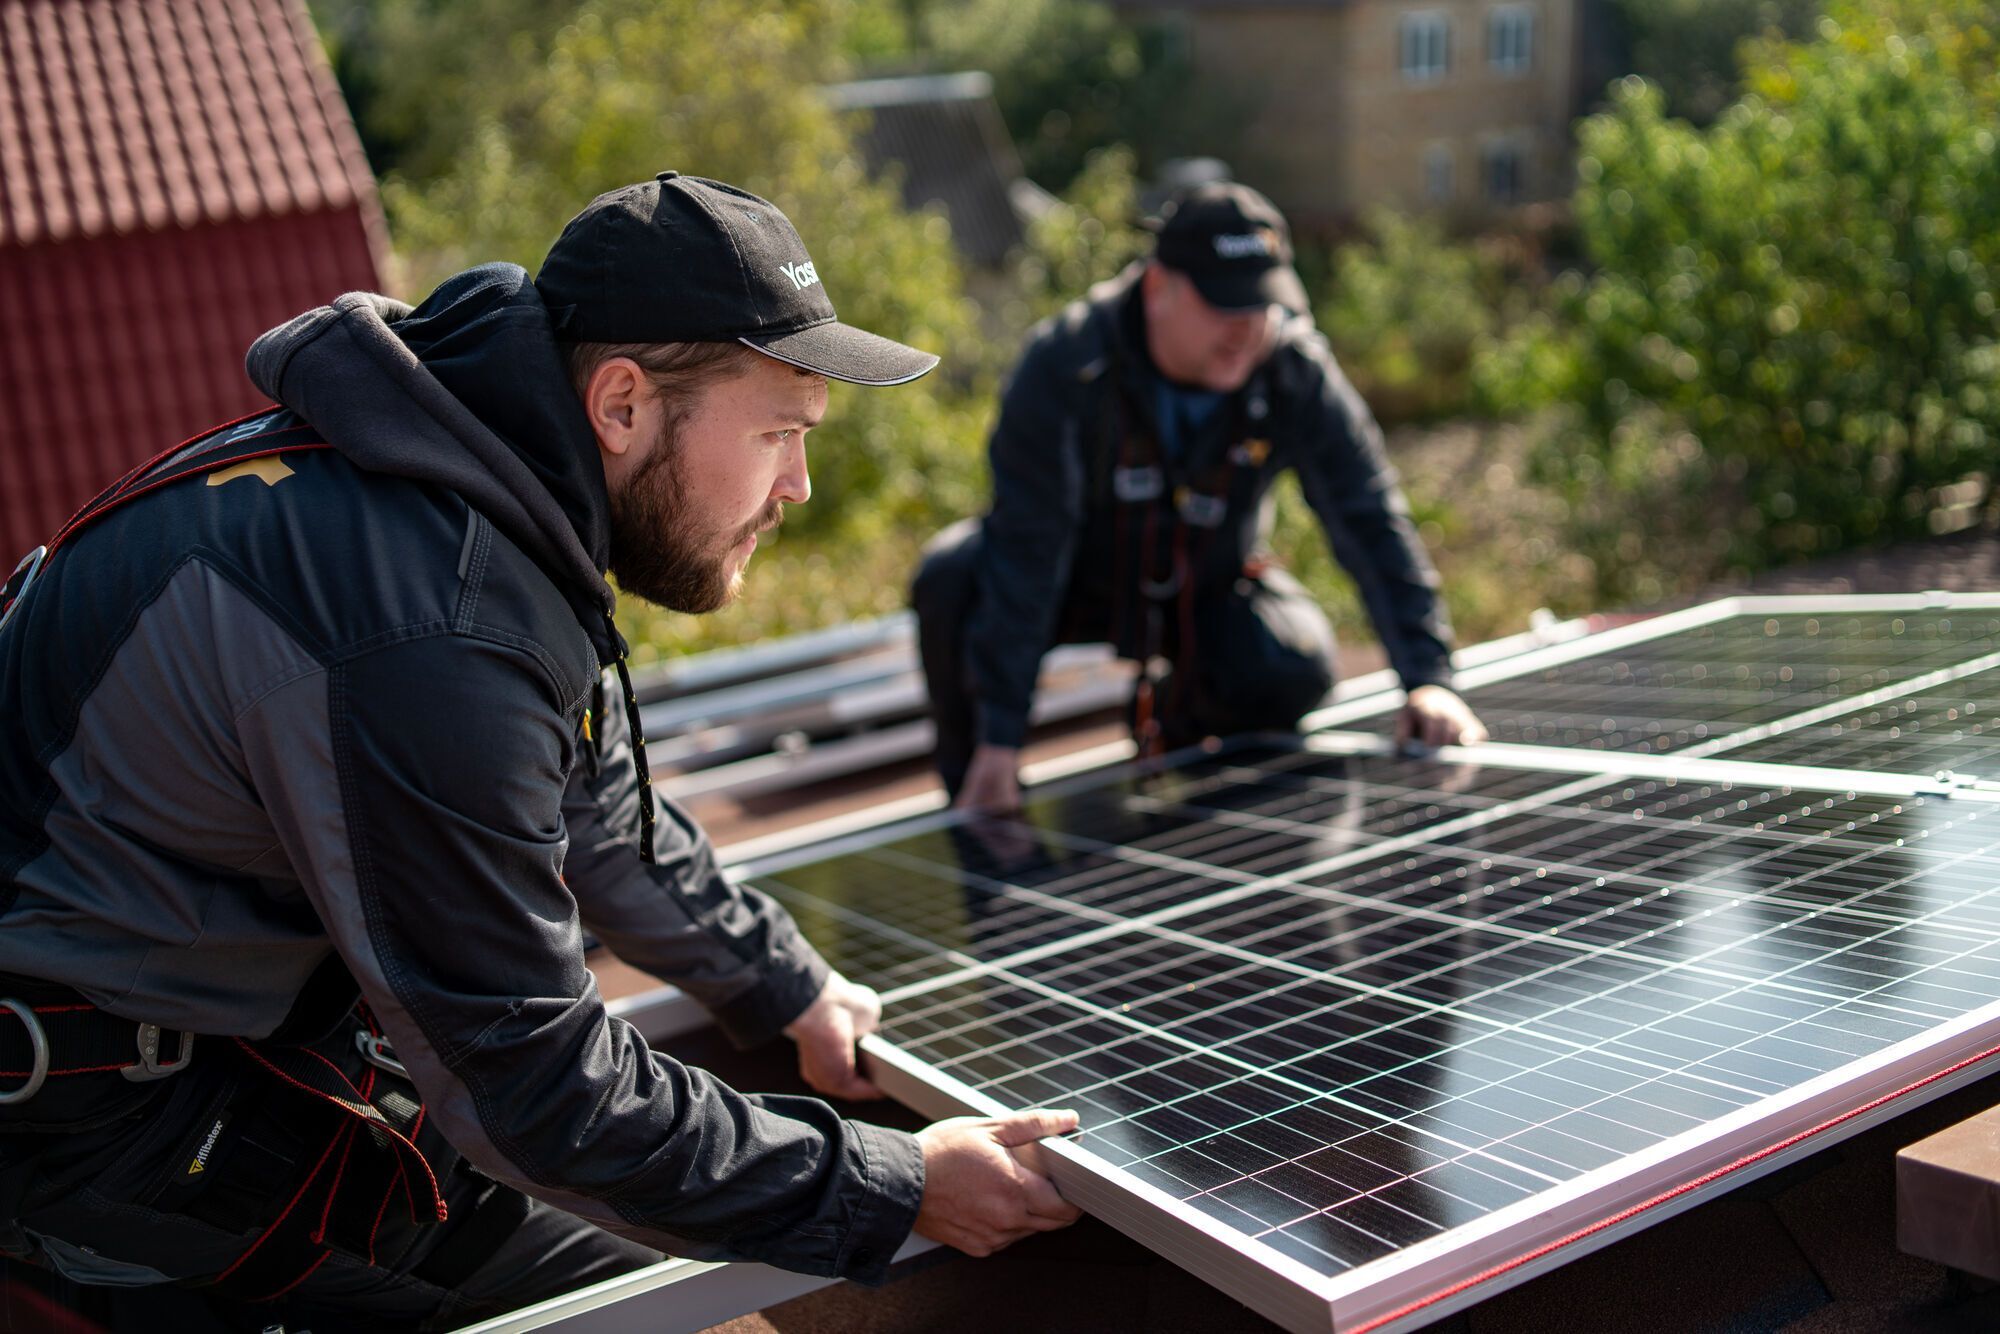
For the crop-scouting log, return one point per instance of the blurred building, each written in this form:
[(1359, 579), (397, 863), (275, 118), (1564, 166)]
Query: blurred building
[(1334, 106), (176, 176), (943, 137)]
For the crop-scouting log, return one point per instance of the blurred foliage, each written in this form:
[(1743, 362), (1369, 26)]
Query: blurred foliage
[(1069, 76), (1405, 306), (1689, 47), (1780, 339), (1495, 535), (1789, 342), (1092, 237)]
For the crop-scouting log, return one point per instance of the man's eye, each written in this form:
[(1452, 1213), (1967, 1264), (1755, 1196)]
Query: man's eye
[(782, 436)]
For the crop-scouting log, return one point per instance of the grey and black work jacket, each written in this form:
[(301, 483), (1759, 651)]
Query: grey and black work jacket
[(336, 703), (1051, 540)]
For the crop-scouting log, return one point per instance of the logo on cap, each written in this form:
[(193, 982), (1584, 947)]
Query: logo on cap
[(802, 274), (1241, 245)]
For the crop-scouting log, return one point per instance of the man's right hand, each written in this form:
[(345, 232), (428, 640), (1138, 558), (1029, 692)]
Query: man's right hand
[(979, 1193), (992, 781)]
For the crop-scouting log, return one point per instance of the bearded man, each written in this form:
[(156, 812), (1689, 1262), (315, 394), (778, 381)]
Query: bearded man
[(312, 781), (1137, 444)]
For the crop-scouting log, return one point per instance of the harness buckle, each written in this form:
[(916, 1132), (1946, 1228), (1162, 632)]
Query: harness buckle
[(1250, 454), (1200, 510), (1136, 485), (39, 1041), (17, 582), (150, 1066), (377, 1052)]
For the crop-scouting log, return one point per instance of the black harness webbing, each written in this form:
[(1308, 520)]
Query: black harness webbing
[(1165, 522)]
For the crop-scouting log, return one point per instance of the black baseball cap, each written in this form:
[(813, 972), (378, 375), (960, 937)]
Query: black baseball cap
[(681, 259), (1234, 244)]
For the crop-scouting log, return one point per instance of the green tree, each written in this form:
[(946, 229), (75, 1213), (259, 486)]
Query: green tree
[(1689, 47), (1090, 236), (1070, 76), (1405, 307), (1789, 342)]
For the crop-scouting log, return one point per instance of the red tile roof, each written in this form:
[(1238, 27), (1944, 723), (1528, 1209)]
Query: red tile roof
[(176, 176), (142, 115)]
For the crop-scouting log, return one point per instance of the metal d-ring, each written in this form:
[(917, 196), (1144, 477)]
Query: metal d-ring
[(36, 1039), (17, 583), (378, 1053)]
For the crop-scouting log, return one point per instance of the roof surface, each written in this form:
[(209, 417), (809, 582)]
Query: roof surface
[(175, 178), (144, 115), (946, 135)]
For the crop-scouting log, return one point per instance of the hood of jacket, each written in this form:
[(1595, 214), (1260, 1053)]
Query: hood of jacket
[(467, 391)]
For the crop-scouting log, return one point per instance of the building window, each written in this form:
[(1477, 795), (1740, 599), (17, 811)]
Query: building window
[(1510, 38), (1500, 170), (1438, 174), (1425, 47)]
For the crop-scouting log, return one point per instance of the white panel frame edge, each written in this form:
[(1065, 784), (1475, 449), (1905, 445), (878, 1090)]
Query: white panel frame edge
[(1419, 1284), (1472, 675)]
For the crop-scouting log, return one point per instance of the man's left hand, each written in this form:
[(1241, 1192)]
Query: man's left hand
[(841, 1016), (1436, 717)]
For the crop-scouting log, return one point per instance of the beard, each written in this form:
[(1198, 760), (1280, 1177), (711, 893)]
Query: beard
[(663, 550)]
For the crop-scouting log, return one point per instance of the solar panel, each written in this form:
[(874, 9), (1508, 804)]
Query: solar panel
[(1737, 666), (1360, 1037), (1953, 727)]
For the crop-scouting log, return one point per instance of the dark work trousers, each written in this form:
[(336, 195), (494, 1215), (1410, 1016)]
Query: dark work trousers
[(113, 1225), (1263, 652)]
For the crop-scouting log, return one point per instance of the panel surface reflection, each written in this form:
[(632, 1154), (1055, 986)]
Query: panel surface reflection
[(1681, 690), (1348, 1064)]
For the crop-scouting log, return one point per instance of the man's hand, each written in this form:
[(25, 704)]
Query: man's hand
[(841, 1016), (1434, 716), (980, 1192), (992, 781)]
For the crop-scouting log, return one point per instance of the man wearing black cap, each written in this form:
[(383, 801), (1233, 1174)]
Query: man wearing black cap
[(312, 779), (1137, 442)]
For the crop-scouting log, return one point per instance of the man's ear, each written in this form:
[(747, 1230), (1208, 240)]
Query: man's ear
[(617, 399)]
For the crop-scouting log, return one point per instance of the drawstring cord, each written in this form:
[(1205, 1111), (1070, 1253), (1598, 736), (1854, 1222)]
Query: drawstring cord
[(646, 813)]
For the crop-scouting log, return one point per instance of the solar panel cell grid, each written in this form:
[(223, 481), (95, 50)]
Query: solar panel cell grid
[(1345, 1006), (917, 908), (1702, 685), (1954, 727)]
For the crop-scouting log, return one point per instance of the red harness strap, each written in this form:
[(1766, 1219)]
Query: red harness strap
[(288, 1252), (187, 459)]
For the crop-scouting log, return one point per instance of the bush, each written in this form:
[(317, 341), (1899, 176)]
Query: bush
[(1789, 342), (1405, 307)]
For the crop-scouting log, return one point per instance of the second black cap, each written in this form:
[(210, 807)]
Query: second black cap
[(1234, 244)]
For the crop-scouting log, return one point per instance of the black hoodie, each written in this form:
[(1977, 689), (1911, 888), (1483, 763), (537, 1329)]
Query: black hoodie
[(1052, 536), (340, 705)]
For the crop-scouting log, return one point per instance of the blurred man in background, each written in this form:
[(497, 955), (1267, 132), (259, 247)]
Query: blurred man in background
[(1132, 462)]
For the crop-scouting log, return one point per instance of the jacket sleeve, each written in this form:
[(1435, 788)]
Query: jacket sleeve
[(1030, 538), (1346, 478), (731, 948), (418, 791)]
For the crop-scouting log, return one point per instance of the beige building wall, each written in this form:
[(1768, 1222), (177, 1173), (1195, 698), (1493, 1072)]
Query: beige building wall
[(1468, 115), (1272, 78), (1315, 106)]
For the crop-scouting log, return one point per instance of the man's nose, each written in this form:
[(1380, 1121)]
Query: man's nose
[(794, 485)]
